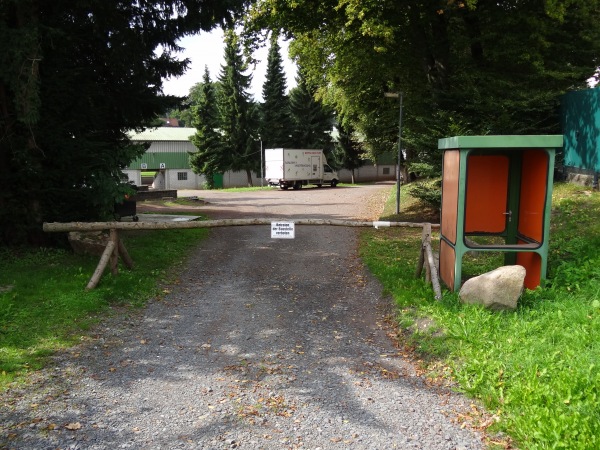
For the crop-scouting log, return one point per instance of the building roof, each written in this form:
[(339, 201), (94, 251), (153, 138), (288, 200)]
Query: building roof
[(163, 134)]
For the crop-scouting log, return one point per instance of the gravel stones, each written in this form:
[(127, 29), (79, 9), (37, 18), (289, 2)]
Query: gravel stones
[(263, 344)]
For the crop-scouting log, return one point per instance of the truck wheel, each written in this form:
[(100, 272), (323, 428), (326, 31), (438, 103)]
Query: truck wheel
[(298, 185), (334, 183), (319, 185)]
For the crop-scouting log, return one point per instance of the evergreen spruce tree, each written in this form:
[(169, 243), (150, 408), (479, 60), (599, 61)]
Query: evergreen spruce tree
[(312, 121), (276, 123), (208, 159), (237, 117), (75, 77), (347, 150)]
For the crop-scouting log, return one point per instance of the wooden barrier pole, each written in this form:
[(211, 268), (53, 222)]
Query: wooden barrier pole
[(108, 251), (431, 275), (114, 257), (124, 254), (435, 282), (424, 237), (55, 227), (426, 242), (115, 247), (420, 262)]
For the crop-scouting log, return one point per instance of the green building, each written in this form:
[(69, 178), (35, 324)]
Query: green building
[(581, 128)]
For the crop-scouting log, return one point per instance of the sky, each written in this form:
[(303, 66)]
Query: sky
[(207, 49)]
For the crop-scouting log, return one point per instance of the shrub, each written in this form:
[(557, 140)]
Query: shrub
[(429, 191)]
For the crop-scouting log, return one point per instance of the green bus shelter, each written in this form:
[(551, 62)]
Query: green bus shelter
[(497, 197)]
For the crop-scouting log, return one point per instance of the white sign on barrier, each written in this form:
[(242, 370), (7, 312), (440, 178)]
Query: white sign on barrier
[(282, 230)]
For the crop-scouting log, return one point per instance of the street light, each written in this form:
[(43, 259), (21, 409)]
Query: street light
[(262, 167), (398, 180)]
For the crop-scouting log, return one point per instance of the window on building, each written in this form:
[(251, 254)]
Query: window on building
[(386, 170), (182, 176)]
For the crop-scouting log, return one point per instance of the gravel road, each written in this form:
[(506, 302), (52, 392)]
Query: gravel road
[(263, 344)]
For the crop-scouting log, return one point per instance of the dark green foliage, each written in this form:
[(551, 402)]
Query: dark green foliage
[(428, 185), (348, 150), (471, 67), (237, 114), (209, 157), (429, 191), (74, 77), (312, 121), (184, 112), (276, 123)]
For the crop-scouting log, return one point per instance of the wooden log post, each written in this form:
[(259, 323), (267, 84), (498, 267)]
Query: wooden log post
[(124, 254), (435, 281), (114, 257), (108, 251), (425, 241), (427, 259), (424, 237)]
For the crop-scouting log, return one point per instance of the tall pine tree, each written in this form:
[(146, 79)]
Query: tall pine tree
[(208, 160), (312, 121), (74, 78), (348, 150), (237, 117), (276, 123)]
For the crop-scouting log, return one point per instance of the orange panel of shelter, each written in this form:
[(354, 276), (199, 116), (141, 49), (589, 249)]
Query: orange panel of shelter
[(450, 194), (533, 268), (533, 194), (486, 193)]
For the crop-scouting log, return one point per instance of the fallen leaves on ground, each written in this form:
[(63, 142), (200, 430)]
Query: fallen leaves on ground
[(73, 426)]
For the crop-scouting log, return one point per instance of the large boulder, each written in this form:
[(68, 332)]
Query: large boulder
[(499, 289)]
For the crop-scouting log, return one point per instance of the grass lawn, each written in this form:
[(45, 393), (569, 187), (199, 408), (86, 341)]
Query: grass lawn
[(537, 369), (44, 306)]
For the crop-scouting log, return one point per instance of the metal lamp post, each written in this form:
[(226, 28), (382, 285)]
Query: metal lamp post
[(262, 166), (398, 95)]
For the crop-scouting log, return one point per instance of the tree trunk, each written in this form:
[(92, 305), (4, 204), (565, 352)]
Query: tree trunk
[(432, 52)]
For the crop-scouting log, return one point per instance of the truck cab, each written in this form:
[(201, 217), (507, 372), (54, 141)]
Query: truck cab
[(330, 176)]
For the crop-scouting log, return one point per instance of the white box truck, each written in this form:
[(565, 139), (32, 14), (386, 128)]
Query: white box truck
[(292, 167)]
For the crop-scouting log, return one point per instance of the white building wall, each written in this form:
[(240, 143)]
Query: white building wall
[(194, 181), (135, 176), (369, 173), (239, 179)]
